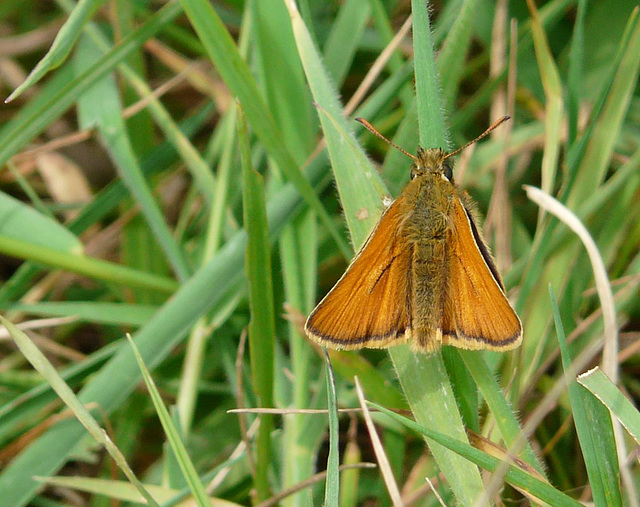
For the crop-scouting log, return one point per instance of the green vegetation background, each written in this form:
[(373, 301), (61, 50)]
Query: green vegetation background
[(190, 173)]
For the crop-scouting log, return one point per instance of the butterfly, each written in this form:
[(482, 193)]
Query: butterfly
[(423, 276)]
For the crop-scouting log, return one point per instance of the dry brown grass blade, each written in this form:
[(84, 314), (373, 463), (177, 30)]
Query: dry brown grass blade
[(377, 67), (197, 77), (383, 461), (493, 449), (65, 181), (499, 214), (308, 483)]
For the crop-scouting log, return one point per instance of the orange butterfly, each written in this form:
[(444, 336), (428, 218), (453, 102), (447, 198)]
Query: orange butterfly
[(424, 275)]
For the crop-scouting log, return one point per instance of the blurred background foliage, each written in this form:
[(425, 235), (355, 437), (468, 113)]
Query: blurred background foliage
[(190, 173)]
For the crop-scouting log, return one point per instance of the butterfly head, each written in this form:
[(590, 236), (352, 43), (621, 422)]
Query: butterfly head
[(434, 162)]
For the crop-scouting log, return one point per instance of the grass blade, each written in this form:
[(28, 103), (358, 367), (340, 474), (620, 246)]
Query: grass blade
[(108, 313), (433, 133), (42, 230), (112, 128), (611, 397), (595, 431), (344, 38), (262, 324), (332, 485), (84, 265), (498, 405), (554, 104), (185, 463), (452, 55), (62, 45)]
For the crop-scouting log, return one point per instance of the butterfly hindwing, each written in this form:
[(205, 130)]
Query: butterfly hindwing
[(373, 296)]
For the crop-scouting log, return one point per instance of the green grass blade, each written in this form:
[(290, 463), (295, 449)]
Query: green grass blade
[(578, 151), (173, 436), (574, 77), (188, 153), (42, 230), (433, 133), (192, 367), (262, 324), (426, 385), (112, 128), (452, 55), (353, 172), (62, 44), (289, 100), (83, 265), (332, 485), (611, 397), (498, 405), (464, 388), (129, 169), (595, 430), (344, 38), (554, 103), (106, 313), (594, 164), (125, 492), (286, 90), (351, 479)]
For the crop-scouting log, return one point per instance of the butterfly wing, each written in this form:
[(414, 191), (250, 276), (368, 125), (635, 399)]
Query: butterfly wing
[(477, 313), (370, 305)]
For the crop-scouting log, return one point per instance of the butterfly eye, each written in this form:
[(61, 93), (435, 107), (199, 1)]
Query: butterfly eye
[(448, 173)]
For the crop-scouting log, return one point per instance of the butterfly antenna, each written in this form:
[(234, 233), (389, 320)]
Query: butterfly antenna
[(373, 130), (491, 127)]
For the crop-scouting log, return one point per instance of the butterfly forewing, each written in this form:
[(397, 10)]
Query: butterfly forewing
[(477, 313), (373, 296)]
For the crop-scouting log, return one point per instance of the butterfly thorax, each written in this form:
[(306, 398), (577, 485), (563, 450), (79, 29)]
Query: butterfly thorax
[(427, 201)]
